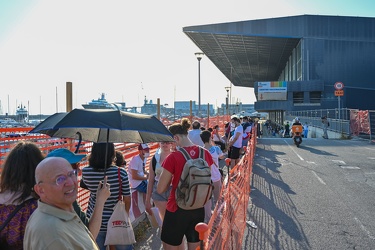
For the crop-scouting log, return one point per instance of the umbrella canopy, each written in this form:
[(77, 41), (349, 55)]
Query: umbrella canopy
[(98, 125)]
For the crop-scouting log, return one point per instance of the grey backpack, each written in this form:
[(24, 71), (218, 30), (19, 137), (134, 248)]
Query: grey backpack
[(195, 186)]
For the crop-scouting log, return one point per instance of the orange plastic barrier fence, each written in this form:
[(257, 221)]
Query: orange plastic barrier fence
[(228, 221), (360, 122), (10, 136)]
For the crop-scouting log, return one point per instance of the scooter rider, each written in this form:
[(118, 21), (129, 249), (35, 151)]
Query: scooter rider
[(297, 123)]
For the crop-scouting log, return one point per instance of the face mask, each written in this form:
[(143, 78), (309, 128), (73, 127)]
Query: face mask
[(146, 155), (232, 124)]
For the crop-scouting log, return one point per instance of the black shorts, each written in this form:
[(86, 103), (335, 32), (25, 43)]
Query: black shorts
[(180, 223), (234, 153)]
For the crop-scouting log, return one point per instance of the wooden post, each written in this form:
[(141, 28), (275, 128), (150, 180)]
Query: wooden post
[(158, 105), (208, 115), (69, 107), (69, 96), (191, 111)]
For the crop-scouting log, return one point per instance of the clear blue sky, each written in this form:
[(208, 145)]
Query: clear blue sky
[(126, 49)]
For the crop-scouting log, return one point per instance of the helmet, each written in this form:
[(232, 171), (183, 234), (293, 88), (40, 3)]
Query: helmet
[(296, 119)]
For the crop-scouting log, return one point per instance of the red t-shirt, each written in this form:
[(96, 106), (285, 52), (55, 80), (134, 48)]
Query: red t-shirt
[(174, 163)]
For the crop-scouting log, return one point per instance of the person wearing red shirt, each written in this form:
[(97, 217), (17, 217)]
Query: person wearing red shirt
[(177, 221)]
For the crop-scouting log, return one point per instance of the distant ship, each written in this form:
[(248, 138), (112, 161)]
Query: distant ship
[(100, 103), (22, 114), (21, 111)]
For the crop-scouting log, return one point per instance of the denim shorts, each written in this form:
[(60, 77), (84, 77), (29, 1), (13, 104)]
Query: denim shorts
[(160, 197), (142, 187)]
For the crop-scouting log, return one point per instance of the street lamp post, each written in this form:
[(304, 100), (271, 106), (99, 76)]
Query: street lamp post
[(227, 100), (199, 56)]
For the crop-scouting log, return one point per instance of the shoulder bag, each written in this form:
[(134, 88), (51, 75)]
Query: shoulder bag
[(119, 229)]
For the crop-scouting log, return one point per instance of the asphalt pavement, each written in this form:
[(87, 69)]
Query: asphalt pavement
[(318, 196)]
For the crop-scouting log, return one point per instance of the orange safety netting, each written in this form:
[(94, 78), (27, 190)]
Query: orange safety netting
[(228, 221), (359, 122)]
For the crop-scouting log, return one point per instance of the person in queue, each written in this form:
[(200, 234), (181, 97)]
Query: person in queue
[(246, 126), (179, 222), (119, 159), (54, 224), (155, 169), (137, 173), (217, 139), (216, 154), (92, 174), (102, 192), (194, 133), (235, 141), (16, 187)]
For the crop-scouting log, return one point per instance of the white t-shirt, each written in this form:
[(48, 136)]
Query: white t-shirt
[(238, 142), (195, 137), (247, 130), (138, 164), (216, 152)]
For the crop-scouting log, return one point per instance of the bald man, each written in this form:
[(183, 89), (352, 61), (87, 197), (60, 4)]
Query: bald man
[(54, 224)]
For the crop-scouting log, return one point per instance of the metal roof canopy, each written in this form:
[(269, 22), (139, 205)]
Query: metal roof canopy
[(245, 59)]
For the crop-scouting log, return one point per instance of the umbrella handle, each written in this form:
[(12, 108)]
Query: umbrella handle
[(79, 142)]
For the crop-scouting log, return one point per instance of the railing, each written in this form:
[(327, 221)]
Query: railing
[(10, 136), (228, 222), (349, 122), (314, 119)]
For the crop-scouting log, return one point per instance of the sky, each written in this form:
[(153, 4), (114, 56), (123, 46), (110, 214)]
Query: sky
[(125, 49)]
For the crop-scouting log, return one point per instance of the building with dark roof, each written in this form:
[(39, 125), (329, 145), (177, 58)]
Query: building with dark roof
[(294, 62)]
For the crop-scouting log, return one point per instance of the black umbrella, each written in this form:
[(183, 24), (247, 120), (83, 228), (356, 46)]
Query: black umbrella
[(104, 125)]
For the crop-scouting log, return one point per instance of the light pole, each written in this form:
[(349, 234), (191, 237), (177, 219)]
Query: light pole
[(199, 56), (227, 100)]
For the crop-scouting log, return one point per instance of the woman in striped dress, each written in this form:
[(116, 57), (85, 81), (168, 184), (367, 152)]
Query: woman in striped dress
[(94, 173)]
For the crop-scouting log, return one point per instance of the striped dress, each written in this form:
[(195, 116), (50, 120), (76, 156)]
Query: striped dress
[(91, 178)]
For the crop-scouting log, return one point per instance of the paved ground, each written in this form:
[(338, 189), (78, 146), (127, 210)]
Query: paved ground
[(150, 240), (151, 236)]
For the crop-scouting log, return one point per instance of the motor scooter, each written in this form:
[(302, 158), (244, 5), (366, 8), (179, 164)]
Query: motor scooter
[(297, 134)]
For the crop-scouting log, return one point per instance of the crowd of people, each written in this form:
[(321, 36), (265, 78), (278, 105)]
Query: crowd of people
[(38, 194)]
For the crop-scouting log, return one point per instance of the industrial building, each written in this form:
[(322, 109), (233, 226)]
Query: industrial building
[(294, 63)]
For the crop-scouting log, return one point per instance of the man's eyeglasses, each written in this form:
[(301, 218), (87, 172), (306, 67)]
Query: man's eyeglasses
[(61, 179)]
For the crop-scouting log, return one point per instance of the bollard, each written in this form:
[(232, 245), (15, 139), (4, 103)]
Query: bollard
[(201, 228)]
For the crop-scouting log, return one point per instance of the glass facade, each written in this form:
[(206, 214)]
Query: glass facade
[(293, 68)]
